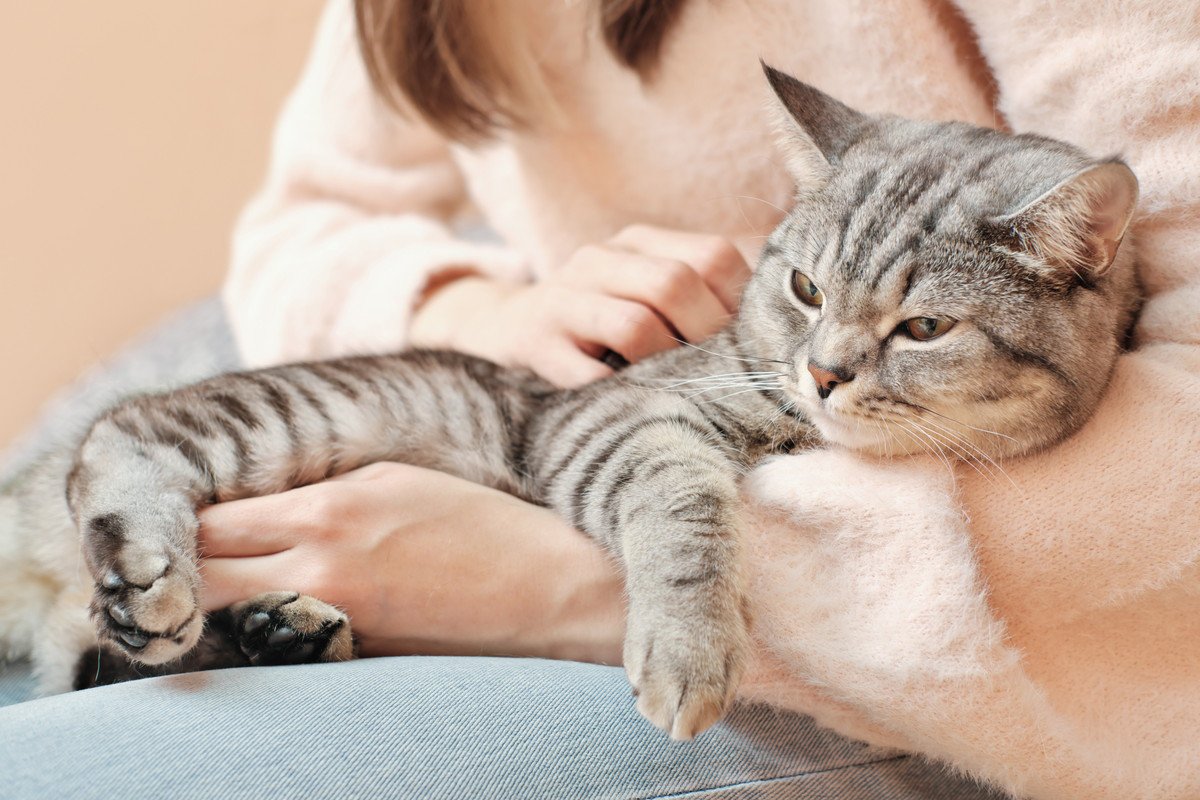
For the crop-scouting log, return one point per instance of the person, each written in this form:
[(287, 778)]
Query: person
[(1032, 632), (628, 202)]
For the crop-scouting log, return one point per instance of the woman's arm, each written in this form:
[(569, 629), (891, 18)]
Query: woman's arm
[(424, 563), (1106, 515), (348, 249), (1047, 639), (353, 225)]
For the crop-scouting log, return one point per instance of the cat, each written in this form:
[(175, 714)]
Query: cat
[(936, 287)]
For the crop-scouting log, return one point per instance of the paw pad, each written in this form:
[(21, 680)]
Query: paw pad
[(288, 628)]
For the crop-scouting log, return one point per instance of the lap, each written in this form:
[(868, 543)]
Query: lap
[(426, 728)]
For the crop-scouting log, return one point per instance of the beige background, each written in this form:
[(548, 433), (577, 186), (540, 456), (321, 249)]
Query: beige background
[(131, 133)]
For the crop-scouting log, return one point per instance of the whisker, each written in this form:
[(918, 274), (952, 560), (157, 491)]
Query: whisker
[(926, 446), (760, 200), (887, 436), (735, 394), (920, 407), (686, 343), (726, 376), (758, 387), (960, 453), (936, 446), (704, 386), (790, 405), (963, 442), (970, 446)]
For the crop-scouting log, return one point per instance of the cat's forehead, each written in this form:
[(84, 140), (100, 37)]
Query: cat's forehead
[(946, 166), (910, 202)]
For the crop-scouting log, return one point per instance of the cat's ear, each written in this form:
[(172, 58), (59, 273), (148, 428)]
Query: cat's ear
[(814, 129), (1074, 229)]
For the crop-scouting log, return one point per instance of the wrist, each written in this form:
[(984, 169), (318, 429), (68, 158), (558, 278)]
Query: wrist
[(563, 596), (438, 319), (508, 579), (579, 608)]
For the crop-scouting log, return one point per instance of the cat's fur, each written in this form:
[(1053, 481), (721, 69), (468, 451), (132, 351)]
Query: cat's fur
[(1016, 238)]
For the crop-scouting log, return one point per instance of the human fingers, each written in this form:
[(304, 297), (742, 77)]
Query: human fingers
[(566, 364), (715, 258), (668, 286), (255, 526), (628, 328), (225, 581)]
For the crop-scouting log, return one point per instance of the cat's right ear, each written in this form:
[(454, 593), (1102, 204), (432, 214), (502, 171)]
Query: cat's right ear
[(814, 128), (1071, 231)]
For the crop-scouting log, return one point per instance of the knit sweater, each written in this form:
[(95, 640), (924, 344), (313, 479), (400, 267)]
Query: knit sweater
[(1043, 632)]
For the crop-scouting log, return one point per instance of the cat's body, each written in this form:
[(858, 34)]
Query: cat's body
[(938, 287)]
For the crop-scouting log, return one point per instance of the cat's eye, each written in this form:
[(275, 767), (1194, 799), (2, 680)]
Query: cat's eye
[(925, 328), (806, 290)]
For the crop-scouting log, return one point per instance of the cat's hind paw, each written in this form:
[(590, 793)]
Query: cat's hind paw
[(150, 613), (289, 628)]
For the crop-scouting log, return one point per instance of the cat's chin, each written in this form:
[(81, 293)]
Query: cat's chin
[(854, 433)]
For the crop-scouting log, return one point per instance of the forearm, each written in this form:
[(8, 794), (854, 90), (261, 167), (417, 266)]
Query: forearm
[(354, 222), (535, 588), (1107, 513)]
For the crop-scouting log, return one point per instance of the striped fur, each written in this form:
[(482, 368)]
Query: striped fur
[(894, 219)]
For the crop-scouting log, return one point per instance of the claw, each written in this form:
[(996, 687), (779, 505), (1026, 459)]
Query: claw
[(135, 640), (121, 615), (281, 636)]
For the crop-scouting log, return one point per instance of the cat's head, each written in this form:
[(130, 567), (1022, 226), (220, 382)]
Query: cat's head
[(940, 286)]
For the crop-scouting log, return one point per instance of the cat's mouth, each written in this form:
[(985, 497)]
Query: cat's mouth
[(868, 423)]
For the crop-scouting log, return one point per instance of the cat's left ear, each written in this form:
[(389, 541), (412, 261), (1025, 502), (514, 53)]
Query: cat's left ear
[(814, 128), (1075, 228)]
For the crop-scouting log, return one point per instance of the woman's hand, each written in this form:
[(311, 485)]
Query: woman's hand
[(635, 295), (423, 562)]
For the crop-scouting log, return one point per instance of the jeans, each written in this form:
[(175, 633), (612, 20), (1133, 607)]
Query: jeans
[(426, 728)]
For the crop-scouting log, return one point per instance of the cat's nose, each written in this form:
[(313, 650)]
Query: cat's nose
[(826, 379)]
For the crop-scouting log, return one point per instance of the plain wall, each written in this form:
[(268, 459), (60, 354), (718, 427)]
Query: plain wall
[(131, 133)]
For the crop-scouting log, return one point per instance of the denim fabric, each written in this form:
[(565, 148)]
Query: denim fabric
[(426, 728)]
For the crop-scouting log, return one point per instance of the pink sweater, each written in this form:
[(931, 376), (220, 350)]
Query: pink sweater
[(1042, 633)]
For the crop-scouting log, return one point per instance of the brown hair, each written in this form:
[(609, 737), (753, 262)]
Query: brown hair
[(429, 56)]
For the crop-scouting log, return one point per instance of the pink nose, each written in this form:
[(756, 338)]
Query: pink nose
[(826, 379)]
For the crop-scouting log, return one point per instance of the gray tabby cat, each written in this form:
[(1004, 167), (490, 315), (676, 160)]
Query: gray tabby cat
[(936, 287)]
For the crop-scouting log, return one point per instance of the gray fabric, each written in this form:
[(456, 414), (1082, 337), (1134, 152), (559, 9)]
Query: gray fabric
[(193, 343), (426, 728), (16, 683)]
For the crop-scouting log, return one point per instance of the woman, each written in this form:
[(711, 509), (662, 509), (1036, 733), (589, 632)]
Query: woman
[(621, 152)]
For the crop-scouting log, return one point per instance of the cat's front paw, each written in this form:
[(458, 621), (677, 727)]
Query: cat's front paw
[(290, 628), (146, 600), (685, 670)]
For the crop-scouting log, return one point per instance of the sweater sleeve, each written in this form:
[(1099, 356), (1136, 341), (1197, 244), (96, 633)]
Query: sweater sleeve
[(1044, 640), (354, 220), (1115, 500)]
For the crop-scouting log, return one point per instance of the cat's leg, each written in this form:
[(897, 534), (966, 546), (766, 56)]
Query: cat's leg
[(271, 629), (647, 476), (148, 464)]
